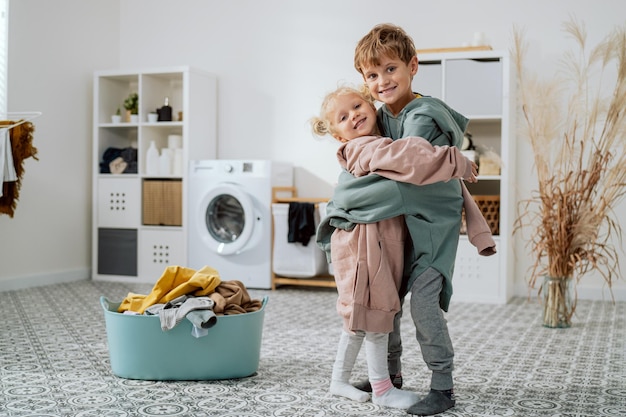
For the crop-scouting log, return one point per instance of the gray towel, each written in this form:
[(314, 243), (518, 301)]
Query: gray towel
[(176, 310), (203, 319)]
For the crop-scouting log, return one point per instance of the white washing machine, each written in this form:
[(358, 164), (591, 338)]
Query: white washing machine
[(230, 219)]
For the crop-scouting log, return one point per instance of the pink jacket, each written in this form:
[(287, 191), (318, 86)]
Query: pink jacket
[(368, 260), (415, 160)]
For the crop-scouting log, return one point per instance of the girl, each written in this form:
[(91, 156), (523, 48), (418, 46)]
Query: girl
[(368, 259)]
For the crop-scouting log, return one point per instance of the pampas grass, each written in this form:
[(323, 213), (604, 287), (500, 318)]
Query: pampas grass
[(576, 126)]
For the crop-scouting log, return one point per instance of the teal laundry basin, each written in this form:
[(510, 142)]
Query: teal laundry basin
[(139, 349)]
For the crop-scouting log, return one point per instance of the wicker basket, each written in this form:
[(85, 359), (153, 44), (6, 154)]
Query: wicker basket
[(489, 205), (162, 202)]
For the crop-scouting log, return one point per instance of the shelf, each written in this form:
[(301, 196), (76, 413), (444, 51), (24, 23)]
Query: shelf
[(161, 124), (479, 85), (454, 49), (124, 202), (327, 281), (494, 118), (164, 177), (124, 176), (118, 125), (160, 228), (135, 125)]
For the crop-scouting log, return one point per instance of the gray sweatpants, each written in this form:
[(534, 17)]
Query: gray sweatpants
[(431, 331)]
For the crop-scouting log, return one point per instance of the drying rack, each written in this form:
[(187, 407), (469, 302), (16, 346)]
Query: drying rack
[(327, 281), (17, 118)]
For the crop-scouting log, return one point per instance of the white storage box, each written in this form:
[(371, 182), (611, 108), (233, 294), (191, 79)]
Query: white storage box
[(158, 249), (119, 204), (294, 259)]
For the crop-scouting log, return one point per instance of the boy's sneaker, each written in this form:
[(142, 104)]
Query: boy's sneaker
[(396, 380), (434, 403)]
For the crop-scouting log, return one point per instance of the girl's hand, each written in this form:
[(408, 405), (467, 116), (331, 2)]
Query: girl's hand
[(473, 178)]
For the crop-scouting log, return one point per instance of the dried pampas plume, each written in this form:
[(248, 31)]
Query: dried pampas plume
[(576, 126)]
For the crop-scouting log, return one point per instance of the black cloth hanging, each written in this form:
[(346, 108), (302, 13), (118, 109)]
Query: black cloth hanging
[(301, 223)]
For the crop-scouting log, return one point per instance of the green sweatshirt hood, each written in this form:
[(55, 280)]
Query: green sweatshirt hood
[(411, 121)]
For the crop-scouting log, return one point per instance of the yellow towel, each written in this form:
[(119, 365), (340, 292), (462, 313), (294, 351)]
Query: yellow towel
[(175, 281)]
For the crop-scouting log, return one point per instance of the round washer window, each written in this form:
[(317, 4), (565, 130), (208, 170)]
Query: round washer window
[(225, 218)]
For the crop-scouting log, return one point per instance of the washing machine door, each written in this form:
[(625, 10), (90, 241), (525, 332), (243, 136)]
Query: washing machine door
[(226, 218)]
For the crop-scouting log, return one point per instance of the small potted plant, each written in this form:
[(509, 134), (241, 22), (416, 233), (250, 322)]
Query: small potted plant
[(131, 104), (117, 117)]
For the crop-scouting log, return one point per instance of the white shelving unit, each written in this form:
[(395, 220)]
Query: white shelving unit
[(479, 85), (139, 220)]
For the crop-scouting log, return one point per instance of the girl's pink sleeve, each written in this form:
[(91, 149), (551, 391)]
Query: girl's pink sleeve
[(478, 230), (412, 159)]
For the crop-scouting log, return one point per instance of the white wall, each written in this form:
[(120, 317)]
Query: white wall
[(54, 48), (274, 60)]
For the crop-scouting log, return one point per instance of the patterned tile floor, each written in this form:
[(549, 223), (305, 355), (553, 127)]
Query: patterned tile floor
[(54, 361)]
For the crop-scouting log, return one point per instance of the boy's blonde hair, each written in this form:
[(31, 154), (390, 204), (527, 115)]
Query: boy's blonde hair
[(383, 40), (321, 125)]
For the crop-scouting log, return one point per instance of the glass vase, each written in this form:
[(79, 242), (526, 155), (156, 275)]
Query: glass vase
[(558, 302)]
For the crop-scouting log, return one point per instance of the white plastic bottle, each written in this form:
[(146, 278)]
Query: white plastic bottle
[(165, 162), (152, 160), (177, 164)]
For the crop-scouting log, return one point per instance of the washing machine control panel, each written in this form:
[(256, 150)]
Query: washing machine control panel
[(231, 168), (238, 167)]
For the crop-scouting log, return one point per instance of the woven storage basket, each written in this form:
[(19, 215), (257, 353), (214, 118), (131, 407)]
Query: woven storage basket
[(489, 205), (162, 202)]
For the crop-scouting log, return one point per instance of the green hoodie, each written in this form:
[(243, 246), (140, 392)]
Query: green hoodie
[(432, 212)]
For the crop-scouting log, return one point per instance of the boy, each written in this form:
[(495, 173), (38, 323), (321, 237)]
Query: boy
[(387, 60), (369, 258)]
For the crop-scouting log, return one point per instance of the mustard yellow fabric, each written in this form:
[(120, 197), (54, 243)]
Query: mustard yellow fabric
[(175, 281)]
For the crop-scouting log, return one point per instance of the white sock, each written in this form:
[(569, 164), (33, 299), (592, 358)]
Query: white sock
[(344, 389), (396, 398), (378, 371), (347, 352), (376, 355)]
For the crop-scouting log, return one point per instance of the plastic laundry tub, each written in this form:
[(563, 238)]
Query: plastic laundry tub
[(139, 349), (294, 259)]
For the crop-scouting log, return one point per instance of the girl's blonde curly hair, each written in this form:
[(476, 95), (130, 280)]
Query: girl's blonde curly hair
[(321, 125)]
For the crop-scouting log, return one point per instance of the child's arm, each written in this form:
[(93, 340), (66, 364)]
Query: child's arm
[(478, 231), (413, 160)]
